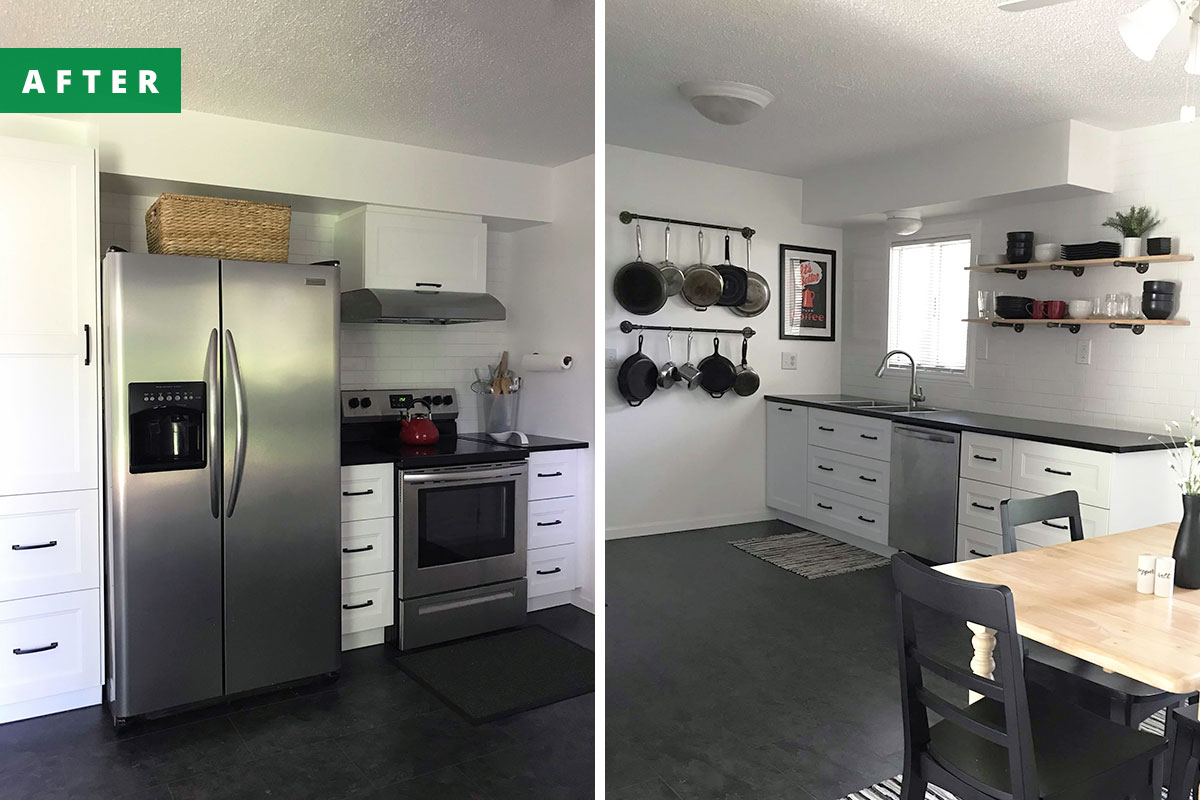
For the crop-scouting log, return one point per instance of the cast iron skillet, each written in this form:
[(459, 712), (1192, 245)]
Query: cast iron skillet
[(639, 286), (716, 372), (638, 377), (734, 281), (746, 382)]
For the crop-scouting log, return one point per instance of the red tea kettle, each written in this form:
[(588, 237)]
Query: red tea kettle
[(418, 429)]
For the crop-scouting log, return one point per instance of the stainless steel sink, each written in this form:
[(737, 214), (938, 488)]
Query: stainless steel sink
[(883, 405), (861, 403), (920, 410)]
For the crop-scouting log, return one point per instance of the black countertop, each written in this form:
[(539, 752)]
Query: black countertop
[(1105, 440), (536, 444), (447, 452)]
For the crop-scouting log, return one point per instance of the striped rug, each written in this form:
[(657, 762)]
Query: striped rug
[(890, 790), (809, 554)]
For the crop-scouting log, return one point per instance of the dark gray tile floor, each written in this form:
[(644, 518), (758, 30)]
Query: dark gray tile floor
[(375, 734), (730, 678)]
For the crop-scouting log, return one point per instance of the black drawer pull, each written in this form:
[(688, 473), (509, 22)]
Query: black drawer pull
[(782, 408), (434, 285), (864, 519), (549, 571), (865, 436), (358, 494), (50, 543), (822, 505), (977, 553), (823, 428), (981, 505), (1058, 472), (985, 458), (868, 480), (824, 468), (1052, 525), (548, 524), (24, 651), (358, 549), (549, 474), (360, 605)]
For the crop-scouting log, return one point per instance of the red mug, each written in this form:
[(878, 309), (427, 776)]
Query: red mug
[(1039, 309), (1055, 309)]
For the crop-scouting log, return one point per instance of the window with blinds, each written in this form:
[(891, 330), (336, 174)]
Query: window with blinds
[(928, 298)]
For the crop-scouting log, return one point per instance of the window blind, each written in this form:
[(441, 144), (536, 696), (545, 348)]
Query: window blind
[(928, 297)]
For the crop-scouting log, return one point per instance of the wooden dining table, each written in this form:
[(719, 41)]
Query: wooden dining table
[(1081, 598)]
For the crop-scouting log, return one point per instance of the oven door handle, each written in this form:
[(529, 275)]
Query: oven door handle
[(463, 477)]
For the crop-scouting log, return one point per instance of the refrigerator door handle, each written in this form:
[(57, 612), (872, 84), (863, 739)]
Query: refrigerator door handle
[(239, 399), (212, 375)]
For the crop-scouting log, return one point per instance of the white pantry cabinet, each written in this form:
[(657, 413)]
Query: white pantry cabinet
[(390, 248)]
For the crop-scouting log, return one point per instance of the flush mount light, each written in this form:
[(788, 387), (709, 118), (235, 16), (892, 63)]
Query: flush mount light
[(1145, 28), (903, 223), (726, 102)]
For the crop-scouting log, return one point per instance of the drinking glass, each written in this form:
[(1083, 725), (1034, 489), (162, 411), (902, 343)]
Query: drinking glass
[(1097, 307), (1112, 305), (1124, 305), (985, 303)]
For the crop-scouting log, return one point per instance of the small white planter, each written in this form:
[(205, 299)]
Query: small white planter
[(1131, 247)]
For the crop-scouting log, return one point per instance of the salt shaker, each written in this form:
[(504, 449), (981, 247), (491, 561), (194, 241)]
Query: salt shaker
[(1164, 576), (1145, 573)]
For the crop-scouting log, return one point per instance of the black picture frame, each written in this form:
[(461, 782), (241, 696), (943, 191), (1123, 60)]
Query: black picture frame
[(828, 261)]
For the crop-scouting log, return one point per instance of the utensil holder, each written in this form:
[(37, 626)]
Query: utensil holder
[(498, 412)]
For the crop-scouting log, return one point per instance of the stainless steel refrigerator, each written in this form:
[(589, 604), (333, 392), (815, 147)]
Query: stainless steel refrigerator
[(222, 445)]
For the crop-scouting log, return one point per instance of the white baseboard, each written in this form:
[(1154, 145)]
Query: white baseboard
[(353, 641), (672, 526), (41, 706), (550, 600), (588, 604)]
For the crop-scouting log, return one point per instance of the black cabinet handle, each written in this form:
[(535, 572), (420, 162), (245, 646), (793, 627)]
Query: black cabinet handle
[(864, 519), (549, 571), (360, 605), (823, 428), (1052, 525), (822, 505), (434, 285), (1058, 472), (358, 494), (868, 480), (87, 345), (548, 524), (24, 651), (824, 468), (981, 505), (865, 436), (358, 549), (50, 543), (985, 458), (783, 408), (549, 474), (977, 553)]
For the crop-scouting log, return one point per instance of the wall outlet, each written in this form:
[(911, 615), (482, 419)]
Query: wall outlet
[(1083, 352), (787, 361), (611, 361)]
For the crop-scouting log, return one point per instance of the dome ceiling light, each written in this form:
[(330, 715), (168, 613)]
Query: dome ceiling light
[(726, 102), (903, 223)]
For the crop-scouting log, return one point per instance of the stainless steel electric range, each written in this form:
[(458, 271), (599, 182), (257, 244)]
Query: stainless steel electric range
[(460, 516)]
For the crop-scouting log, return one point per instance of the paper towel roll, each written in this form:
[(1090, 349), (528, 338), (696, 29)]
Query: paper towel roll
[(546, 362)]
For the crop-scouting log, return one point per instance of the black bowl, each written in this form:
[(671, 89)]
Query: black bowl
[(1020, 257), (1157, 309), (1157, 298), (1158, 287), (1020, 236)]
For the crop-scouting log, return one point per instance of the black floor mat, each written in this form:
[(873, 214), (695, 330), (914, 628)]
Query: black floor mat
[(500, 674)]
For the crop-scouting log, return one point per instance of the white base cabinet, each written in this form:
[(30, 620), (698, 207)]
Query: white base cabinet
[(553, 527), (368, 559), (787, 459)]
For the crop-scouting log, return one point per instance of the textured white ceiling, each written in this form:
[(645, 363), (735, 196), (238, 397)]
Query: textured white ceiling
[(855, 78), (511, 80)]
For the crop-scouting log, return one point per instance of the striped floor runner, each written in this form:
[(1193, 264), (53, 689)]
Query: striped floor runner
[(810, 555)]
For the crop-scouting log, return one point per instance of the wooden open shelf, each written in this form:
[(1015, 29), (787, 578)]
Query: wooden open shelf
[(1074, 325), (1141, 264)]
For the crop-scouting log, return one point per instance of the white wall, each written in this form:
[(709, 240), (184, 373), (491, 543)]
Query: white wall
[(683, 459), (1133, 382)]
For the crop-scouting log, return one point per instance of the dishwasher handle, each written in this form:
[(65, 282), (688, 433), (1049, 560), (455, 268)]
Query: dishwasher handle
[(924, 433)]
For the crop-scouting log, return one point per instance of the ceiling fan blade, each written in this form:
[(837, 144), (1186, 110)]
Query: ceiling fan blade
[(1026, 5)]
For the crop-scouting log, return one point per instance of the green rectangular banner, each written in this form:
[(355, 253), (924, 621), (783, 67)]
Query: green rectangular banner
[(106, 80)]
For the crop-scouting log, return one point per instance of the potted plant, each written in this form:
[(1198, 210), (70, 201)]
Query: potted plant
[(1185, 463), (1133, 225)]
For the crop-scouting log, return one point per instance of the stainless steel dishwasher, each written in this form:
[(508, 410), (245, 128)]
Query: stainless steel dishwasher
[(923, 501)]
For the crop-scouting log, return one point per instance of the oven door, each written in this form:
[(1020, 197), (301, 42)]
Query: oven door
[(462, 527)]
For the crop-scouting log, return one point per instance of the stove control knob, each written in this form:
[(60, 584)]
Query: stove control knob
[(366, 402), (427, 400), (448, 399), (437, 400), (352, 402)]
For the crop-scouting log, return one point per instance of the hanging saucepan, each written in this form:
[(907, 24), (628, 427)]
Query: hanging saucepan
[(702, 284), (687, 373), (758, 292), (716, 372), (667, 374), (733, 287), (745, 379), (639, 286), (672, 273), (638, 377)]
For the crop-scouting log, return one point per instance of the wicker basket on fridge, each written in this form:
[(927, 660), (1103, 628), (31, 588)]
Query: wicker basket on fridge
[(216, 227)]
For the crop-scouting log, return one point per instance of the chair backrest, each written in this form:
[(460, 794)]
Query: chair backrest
[(1039, 509), (983, 604)]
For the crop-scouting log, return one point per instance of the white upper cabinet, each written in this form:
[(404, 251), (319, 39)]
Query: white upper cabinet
[(383, 248), (48, 332)]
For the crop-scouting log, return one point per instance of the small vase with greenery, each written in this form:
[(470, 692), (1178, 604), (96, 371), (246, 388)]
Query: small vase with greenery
[(1185, 464), (1133, 224)]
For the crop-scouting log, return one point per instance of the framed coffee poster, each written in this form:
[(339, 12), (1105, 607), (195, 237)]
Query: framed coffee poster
[(806, 286)]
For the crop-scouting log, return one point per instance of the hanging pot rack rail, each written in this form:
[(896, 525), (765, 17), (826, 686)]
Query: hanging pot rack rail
[(628, 216), (629, 327)]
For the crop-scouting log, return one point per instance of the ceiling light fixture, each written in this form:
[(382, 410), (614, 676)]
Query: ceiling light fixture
[(726, 102), (1145, 28), (903, 223)]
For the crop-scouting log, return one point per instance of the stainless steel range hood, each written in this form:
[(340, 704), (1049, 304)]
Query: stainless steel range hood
[(419, 308)]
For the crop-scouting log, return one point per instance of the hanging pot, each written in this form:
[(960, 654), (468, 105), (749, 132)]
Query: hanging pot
[(671, 273), (639, 286), (702, 284), (687, 373), (667, 373), (758, 292), (734, 281), (746, 380), (638, 377), (716, 372)]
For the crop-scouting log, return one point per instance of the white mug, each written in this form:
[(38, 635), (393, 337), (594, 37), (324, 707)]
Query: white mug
[(1079, 309), (1164, 576), (1145, 573)]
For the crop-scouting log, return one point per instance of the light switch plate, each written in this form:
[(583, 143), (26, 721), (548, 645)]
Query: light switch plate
[(1083, 352), (787, 361), (611, 361)]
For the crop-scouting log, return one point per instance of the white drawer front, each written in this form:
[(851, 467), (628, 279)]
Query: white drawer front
[(367, 491), (979, 504), (986, 458), (553, 522), (1050, 468), (552, 473), (859, 475), (367, 547), (552, 569), (850, 433), (849, 513), (68, 627), (1057, 531), (367, 603), (974, 543), (49, 543)]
